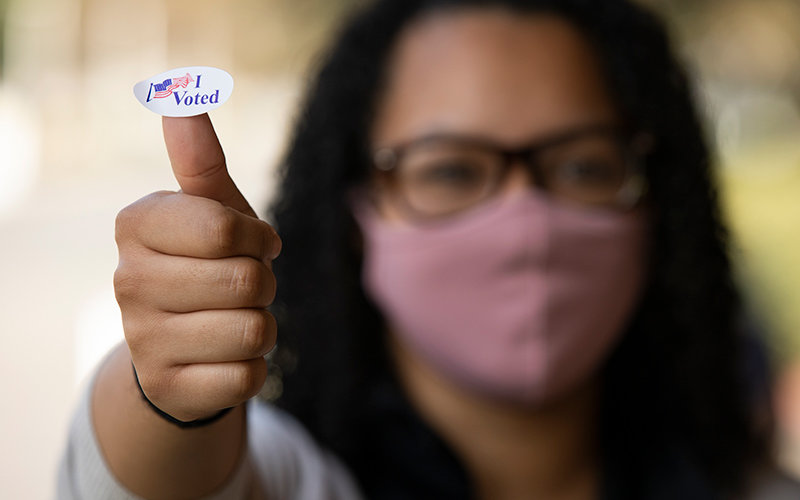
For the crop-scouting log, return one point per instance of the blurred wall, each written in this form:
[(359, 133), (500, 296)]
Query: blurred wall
[(75, 147)]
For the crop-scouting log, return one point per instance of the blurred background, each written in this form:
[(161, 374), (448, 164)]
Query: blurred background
[(76, 147)]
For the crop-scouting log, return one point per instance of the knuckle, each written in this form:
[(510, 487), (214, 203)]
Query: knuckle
[(270, 242), (123, 223), (246, 378), (247, 280), (223, 231), (271, 286), (130, 217), (140, 329), (155, 385), (277, 243), (134, 337), (271, 330), (254, 339), (127, 284)]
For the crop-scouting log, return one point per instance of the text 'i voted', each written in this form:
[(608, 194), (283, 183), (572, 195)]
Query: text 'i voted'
[(188, 91)]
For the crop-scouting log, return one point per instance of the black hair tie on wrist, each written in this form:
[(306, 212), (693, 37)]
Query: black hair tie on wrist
[(169, 418)]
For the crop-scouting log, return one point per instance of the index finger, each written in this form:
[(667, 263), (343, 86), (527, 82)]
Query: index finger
[(199, 163), (192, 226)]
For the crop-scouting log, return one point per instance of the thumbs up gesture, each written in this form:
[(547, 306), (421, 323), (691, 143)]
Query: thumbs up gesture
[(193, 281)]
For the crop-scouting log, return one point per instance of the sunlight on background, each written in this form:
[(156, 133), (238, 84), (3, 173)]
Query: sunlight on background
[(19, 146), (75, 147), (747, 56)]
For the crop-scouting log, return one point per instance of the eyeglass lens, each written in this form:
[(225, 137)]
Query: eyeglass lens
[(441, 177)]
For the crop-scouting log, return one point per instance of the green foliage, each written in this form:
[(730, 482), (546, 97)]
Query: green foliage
[(761, 195)]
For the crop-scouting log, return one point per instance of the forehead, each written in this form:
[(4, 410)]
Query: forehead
[(493, 72)]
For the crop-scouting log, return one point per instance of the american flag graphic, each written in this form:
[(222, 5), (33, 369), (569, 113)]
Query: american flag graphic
[(165, 88)]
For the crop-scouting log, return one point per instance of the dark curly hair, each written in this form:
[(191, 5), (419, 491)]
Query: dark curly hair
[(677, 385)]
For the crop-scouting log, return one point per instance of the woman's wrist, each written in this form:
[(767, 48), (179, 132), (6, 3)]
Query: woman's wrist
[(191, 424)]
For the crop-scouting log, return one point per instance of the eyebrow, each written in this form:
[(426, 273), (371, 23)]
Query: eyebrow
[(550, 138)]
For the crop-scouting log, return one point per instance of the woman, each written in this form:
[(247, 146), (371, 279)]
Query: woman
[(502, 275)]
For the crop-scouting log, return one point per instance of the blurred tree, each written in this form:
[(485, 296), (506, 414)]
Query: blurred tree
[(3, 11)]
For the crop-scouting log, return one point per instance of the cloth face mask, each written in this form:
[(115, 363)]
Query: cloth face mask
[(519, 299)]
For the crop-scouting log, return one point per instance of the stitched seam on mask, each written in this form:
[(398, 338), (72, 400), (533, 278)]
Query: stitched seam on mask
[(533, 346), (530, 340), (547, 341)]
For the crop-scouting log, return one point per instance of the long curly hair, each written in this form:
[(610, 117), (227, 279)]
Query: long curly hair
[(678, 381)]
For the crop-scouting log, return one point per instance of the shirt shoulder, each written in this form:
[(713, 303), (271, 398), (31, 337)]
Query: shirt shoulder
[(282, 462)]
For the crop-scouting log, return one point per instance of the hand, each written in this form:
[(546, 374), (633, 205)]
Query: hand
[(193, 281)]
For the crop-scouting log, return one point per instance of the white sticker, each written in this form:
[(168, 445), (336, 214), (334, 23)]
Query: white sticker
[(188, 91)]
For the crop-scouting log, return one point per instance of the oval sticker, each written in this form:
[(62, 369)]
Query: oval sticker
[(188, 91)]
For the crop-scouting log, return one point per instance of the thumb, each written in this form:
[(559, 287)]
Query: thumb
[(199, 163)]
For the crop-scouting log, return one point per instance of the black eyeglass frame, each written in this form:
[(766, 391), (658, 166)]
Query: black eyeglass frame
[(635, 146)]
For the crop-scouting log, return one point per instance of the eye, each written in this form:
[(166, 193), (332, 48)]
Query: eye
[(455, 173), (591, 172)]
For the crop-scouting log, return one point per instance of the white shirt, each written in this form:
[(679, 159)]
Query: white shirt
[(282, 462)]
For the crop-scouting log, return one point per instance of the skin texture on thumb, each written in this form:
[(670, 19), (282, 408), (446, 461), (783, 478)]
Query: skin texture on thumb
[(198, 161)]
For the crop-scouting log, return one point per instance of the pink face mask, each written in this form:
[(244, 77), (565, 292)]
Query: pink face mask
[(520, 299)]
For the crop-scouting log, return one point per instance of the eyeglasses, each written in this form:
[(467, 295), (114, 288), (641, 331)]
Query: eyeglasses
[(442, 174)]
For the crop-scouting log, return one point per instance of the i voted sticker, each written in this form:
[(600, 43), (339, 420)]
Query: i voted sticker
[(188, 91)]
